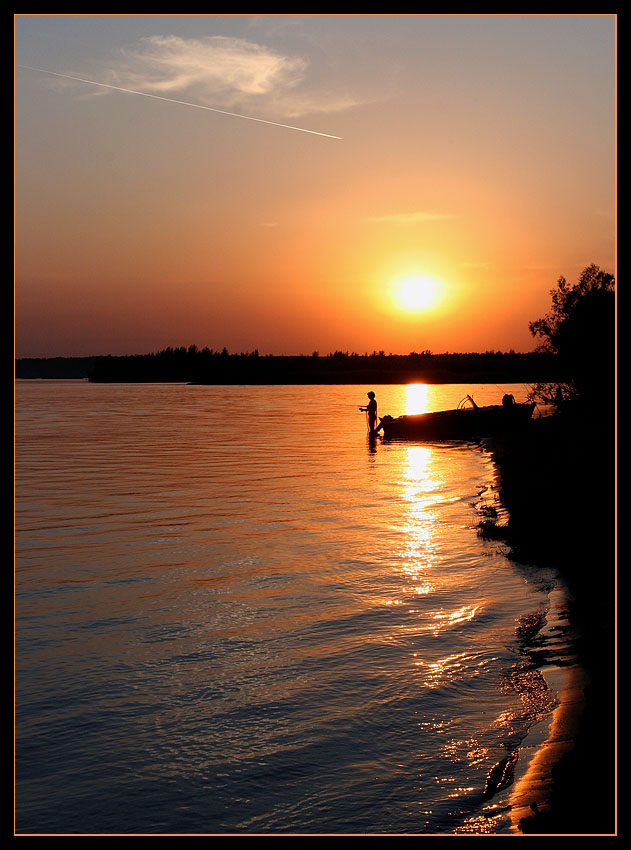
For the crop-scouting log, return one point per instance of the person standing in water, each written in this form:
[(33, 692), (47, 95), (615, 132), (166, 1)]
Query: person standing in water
[(371, 409)]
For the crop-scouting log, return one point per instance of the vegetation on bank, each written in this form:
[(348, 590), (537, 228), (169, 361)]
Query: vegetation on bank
[(580, 331), (557, 479), (557, 475), (567, 461)]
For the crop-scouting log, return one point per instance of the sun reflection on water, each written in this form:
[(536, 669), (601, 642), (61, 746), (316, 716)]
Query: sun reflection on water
[(420, 481), (416, 398), (419, 544), (453, 618)]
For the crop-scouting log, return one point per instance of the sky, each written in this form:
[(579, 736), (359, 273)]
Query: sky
[(409, 183)]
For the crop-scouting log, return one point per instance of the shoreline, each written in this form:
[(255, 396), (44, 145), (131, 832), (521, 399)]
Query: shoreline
[(556, 482), (533, 794), (553, 738)]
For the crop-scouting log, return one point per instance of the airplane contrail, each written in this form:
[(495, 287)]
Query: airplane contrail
[(181, 102)]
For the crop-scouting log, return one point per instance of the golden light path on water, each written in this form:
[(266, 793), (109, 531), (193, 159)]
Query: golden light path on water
[(423, 495)]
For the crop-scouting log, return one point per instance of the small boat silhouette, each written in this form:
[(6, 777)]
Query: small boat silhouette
[(462, 423)]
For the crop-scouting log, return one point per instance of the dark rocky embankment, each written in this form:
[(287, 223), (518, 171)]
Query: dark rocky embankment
[(557, 479)]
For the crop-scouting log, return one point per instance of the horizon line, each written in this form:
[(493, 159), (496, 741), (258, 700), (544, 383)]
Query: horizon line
[(314, 354)]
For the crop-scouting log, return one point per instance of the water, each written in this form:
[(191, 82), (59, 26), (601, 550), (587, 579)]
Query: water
[(237, 614)]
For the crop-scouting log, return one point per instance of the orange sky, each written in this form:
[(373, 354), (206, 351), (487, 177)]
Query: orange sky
[(476, 150)]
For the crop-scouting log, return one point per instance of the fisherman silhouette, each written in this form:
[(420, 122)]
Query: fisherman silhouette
[(371, 410)]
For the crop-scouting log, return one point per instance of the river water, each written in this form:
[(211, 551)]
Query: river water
[(236, 613)]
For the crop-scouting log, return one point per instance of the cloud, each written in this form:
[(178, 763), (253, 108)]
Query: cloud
[(223, 71), (231, 67), (410, 217)]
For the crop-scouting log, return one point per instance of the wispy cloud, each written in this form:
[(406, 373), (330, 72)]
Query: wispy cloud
[(226, 72), (230, 68), (411, 217)]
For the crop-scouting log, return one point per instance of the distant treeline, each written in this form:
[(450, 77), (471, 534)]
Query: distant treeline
[(206, 366), (54, 367)]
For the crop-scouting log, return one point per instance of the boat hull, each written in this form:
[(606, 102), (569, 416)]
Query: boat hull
[(467, 424)]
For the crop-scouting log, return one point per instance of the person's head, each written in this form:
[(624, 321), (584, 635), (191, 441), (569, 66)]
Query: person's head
[(371, 394)]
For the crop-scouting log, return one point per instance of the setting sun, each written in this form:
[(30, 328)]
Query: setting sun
[(417, 292)]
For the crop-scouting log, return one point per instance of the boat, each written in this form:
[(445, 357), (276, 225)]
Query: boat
[(464, 423)]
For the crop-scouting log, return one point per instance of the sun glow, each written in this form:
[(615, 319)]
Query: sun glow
[(417, 292)]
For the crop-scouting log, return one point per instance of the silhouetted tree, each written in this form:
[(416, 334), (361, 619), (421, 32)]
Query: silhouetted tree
[(580, 329)]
